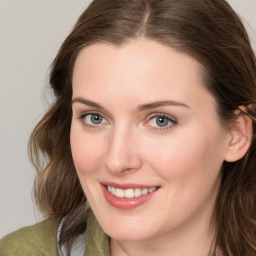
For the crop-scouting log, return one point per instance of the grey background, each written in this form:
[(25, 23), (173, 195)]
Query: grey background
[(31, 32)]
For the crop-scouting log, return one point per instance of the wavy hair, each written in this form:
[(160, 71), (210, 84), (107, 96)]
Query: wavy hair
[(208, 30)]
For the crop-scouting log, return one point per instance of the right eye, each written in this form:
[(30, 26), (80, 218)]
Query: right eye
[(93, 119)]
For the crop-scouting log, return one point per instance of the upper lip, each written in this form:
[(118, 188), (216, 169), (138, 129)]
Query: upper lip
[(127, 185)]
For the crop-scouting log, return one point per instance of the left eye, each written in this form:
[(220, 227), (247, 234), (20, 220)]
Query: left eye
[(94, 119), (161, 121)]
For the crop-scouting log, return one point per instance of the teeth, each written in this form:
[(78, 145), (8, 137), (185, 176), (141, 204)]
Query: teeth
[(130, 193), (144, 191), (113, 190), (119, 192), (152, 189), (137, 192)]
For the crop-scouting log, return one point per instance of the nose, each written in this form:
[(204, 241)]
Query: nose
[(122, 154)]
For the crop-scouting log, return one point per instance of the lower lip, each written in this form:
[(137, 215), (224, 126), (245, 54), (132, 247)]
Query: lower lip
[(126, 203)]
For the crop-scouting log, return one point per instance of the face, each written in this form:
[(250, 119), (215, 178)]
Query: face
[(146, 139)]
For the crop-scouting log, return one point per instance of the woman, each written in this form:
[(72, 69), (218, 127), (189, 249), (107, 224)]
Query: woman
[(149, 147)]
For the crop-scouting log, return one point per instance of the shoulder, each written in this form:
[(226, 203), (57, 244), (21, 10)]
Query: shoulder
[(39, 239)]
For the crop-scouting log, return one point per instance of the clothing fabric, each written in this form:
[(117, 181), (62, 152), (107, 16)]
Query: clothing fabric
[(41, 239), (78, 244)]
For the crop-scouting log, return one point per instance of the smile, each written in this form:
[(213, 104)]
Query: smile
[(130, 192), (128, 196)]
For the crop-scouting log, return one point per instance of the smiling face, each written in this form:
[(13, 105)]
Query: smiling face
[(146, 140)]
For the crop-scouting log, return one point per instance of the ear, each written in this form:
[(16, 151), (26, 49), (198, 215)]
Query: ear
[(241, 135)]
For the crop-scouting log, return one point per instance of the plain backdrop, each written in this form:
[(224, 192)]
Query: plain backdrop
[(31, 31)]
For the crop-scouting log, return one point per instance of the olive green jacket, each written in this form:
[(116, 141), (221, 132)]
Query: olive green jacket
[(41, 240)]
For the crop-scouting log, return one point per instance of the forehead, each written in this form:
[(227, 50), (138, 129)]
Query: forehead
[(141, 52), (143, 69)]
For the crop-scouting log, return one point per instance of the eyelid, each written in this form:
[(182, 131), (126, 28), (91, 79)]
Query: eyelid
[(79, 109), (88, 112)]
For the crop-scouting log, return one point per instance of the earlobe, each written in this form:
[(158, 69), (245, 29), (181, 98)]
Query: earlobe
[(241, 136)]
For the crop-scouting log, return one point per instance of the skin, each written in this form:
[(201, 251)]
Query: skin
[(183, 158)]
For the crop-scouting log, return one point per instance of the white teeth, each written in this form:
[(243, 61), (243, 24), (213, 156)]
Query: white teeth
[(137, 192), (119, 192), (130, 193), (152, 190), (144, 191), (113, 191)]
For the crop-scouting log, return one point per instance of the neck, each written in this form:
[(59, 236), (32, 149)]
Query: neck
[(193, 240), (174, 247)]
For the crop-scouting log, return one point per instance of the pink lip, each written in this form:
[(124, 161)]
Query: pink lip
[(126, 203), (127, 185)]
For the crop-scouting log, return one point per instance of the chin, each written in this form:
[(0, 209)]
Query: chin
[(129, 231), (126, 235)]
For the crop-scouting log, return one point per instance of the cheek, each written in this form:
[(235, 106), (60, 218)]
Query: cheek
[(185, 157), (189, 166), (86, 152)]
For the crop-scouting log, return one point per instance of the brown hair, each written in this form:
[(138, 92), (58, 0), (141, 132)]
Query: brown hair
[(208, 30)]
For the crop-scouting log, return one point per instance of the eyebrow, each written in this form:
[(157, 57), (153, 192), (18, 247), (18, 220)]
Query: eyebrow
[(140, 108), (87, 102), (160, 104)]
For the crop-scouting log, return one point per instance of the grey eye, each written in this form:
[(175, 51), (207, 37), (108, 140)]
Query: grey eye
[(94, 119), (161, 121)]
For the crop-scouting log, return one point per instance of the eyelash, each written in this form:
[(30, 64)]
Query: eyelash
[(171, 120), (84, 123)]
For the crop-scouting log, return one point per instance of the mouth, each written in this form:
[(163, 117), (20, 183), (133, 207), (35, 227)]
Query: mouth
[(128, 196), (130, 192)]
